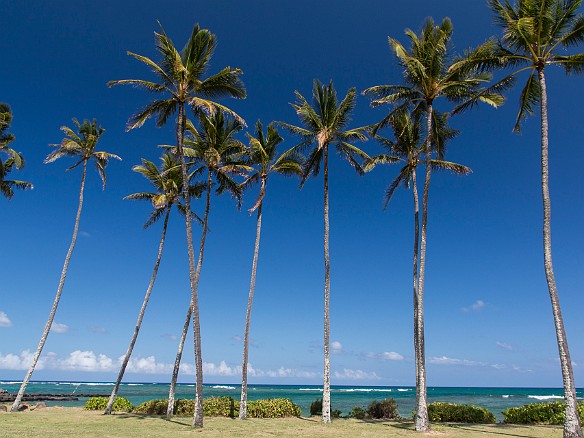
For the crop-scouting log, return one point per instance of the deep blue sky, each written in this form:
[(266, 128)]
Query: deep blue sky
[(488, 317)]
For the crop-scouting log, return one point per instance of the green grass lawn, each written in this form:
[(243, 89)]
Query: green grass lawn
[(60, 422)]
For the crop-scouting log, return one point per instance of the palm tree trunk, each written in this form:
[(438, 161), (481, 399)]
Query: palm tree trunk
[(170, 407), (110, 403), (198, 416), (49, 323), (421, 418), (572, 424), (326, 390), (243, 402), (415, 262), (193, 277)]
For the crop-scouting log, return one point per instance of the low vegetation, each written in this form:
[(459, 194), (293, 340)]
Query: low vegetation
[(223, 407), (121, 404), (458, 413), (540, 413)]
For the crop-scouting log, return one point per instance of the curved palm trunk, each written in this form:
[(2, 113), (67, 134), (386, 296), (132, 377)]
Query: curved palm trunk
[(243, 402), (170, 407), (36, 356), (421, 418), (193, 277), (110, 403), (326, 390), (572, 424)]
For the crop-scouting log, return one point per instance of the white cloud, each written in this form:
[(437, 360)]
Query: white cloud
[(98, 330), (170, 337), (504, 346), (87, 361), (59, 328), (391, 355), (355, 375), (84, 234), (443, 360), (4, 320), (336, 346), (475, 307)]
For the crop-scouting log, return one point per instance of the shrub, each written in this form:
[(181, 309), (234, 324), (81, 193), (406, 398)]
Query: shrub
[(457, 413), (383, 409), (153, 407), (540, 413), (220, 407), (316, 407), (358, 412), (121, 404), (272, 408)]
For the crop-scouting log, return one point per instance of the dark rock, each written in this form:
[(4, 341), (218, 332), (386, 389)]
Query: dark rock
[(3, 391), (23, 407), (3, 408)]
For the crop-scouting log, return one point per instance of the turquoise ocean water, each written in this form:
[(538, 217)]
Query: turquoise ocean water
[(344, 398)]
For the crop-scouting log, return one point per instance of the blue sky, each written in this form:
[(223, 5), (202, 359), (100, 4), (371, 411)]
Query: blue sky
[(488, 317)]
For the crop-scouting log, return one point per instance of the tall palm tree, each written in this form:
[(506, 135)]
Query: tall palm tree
[(13, 159), (181, 78), (214, 151), (168, 183), (537, 34), (429, 76), (81, 146), (408, 148), (323, 125), (263, 154)]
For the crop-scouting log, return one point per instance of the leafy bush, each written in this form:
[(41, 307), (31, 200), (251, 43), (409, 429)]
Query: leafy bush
[(272, 408), (121, 404), (153, 407), (457, 413), (316, 409), (383, 409), (220, 407), (540, 413), (223, 407), (358, 412)]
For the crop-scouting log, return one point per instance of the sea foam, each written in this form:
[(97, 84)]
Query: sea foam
[(545, 397), (223, 387)]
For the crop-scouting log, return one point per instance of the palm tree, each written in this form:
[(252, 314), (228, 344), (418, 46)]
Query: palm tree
[(534, 31), (213, 150), (80, 146), (13, 159), (323, 125), (408, 148), (428, 75), (262, 152), (168, 183), (181, 78)]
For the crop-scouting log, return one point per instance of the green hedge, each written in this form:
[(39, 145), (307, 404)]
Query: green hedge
[(540, 413), (121, 404), (457, 413), (223, 407)]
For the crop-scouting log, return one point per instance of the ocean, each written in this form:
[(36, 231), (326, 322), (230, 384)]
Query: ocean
[(343, 398)]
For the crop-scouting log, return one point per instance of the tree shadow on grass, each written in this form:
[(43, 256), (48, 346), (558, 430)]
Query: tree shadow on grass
[(499, 429), (182, 421)]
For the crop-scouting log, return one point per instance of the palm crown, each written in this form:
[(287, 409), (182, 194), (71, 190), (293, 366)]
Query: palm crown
[(82, 147), (431, 72), (168, 182), (533, 30), (262, 154), (324, 123), (180, 76), (213, 147)]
